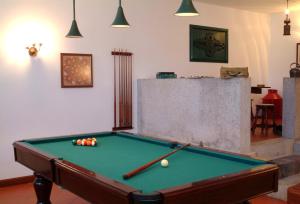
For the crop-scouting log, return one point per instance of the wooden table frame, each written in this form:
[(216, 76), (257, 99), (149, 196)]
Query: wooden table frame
[(95, 188)]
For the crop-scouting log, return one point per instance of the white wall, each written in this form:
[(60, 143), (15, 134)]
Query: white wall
[(32, 104), (282, 49)]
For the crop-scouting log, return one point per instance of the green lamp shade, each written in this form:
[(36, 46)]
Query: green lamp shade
[(74, 31), (120, 20), (187, 9)]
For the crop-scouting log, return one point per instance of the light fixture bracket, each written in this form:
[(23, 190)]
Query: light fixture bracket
[(34, 50)]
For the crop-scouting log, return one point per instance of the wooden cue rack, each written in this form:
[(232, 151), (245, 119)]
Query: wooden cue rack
[(122, 90)]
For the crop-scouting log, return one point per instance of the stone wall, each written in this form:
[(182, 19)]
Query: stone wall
[(209, 110)]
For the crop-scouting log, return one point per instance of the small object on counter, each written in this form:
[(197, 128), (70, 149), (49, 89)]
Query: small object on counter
[(231, 72), (166, 75), (295, 70), (196, 76), (260, 85)]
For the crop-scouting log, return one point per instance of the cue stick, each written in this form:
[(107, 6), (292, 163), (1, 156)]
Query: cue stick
[(121, 93), (123, 88), (120, 90), (126, 90), (130, 91), (115, 98), (138, 170), (123, 85)]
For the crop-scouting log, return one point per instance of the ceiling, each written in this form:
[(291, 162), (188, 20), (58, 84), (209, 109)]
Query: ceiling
[(265, 6)]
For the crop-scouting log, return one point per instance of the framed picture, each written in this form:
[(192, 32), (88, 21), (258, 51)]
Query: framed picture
[(208, 44), (298, 53), (76, 70)]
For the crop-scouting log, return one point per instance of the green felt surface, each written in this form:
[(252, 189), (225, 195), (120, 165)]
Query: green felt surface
[(118, 154)]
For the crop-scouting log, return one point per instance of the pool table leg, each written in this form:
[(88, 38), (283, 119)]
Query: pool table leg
[(42, 189)]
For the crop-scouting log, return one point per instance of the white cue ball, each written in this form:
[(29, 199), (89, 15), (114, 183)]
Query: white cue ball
[(164, 163)]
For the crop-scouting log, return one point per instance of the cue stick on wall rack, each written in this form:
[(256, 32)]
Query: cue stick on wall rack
[(122, 90), (142, 168)]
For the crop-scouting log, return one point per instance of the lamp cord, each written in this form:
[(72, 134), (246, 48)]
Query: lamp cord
[(74, 10), (120, 3)]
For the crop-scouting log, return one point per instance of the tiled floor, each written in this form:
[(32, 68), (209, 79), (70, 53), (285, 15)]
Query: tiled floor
[(257, 136), (24, 194)]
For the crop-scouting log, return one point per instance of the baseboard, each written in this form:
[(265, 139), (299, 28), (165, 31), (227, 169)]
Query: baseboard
[(16, 181)]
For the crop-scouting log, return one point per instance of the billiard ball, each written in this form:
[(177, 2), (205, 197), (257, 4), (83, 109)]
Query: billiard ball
[(78, 142), (164, 163), (74, 142), (83, 142)]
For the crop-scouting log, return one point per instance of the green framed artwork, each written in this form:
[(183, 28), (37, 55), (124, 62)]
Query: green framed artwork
[(208, 44)]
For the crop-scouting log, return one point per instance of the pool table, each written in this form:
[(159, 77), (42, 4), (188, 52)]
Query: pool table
[(195, 174)]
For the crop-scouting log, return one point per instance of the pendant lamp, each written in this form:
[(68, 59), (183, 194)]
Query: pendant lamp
[(187, 9), (74, 31), (120, 20)]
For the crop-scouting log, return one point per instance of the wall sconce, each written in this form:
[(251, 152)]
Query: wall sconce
[(287, 21), (33, 50)]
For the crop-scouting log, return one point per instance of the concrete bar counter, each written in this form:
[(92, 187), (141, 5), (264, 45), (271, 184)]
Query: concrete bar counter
[(212, 111), (291, 108)]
